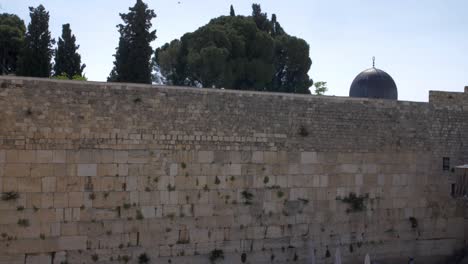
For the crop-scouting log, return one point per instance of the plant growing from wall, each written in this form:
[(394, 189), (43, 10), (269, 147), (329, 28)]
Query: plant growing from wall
[(28, 112), (244, 257), (248, 196), (216, 254), (139, 215), (23, 222), (355, 202), (125, 258), (143, 259), (414, 222), (280, 194), (9, 196), (303, 131)]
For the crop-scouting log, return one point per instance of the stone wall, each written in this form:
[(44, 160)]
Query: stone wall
[(109, 173)]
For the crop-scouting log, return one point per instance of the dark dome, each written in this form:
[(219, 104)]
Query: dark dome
[(374, 83)]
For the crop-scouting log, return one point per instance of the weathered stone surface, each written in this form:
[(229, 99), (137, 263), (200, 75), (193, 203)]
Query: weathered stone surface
[(176, 176), (87, 170)]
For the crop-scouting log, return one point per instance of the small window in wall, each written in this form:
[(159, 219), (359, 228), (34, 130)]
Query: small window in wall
[(446, 163)]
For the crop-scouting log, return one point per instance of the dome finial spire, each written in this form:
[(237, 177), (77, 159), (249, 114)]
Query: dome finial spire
[(373, 61)]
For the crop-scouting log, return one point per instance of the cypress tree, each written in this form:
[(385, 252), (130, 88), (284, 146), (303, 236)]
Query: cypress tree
[(132, 58), (37, 50), (67, 60), (232, 12), (12, 31), (276, 28), (260, 18)]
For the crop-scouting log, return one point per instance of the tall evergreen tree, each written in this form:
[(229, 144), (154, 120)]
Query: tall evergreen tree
[(232, 12), (132, 58), (276, 28), (260, 18), (37, 51), (67, 60), (12, 30)]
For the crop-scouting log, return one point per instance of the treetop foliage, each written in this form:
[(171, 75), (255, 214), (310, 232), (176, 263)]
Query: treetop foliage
[(12, 30), (232, 12), (67, 60), (133, 55), (36, 54), (238, 52)]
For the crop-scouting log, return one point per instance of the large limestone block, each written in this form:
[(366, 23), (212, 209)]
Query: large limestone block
[(44, 156), (21, 156), (203, 210), (48, 184), (121, 156), (105, 156), (60, 200), (87, 169), (308, 157), (234, 169), (205, 156), (148, 211), (59, 156), (173, 169), (29, 184), (39, 259), (17, 170), (42, 170), (349, 168), (75, 199), (72, 243), (257, 157), (270, 157), (12, 259)]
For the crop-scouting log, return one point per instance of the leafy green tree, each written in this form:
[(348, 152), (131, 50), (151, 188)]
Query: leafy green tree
[(36, 54), (67, 59), (232, 12), (133, 55), (229, 52), (292, 64), (12, 30), (320, 88), (234, 52)]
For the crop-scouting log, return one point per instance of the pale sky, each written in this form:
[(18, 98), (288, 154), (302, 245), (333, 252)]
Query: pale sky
[(423, 45)]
